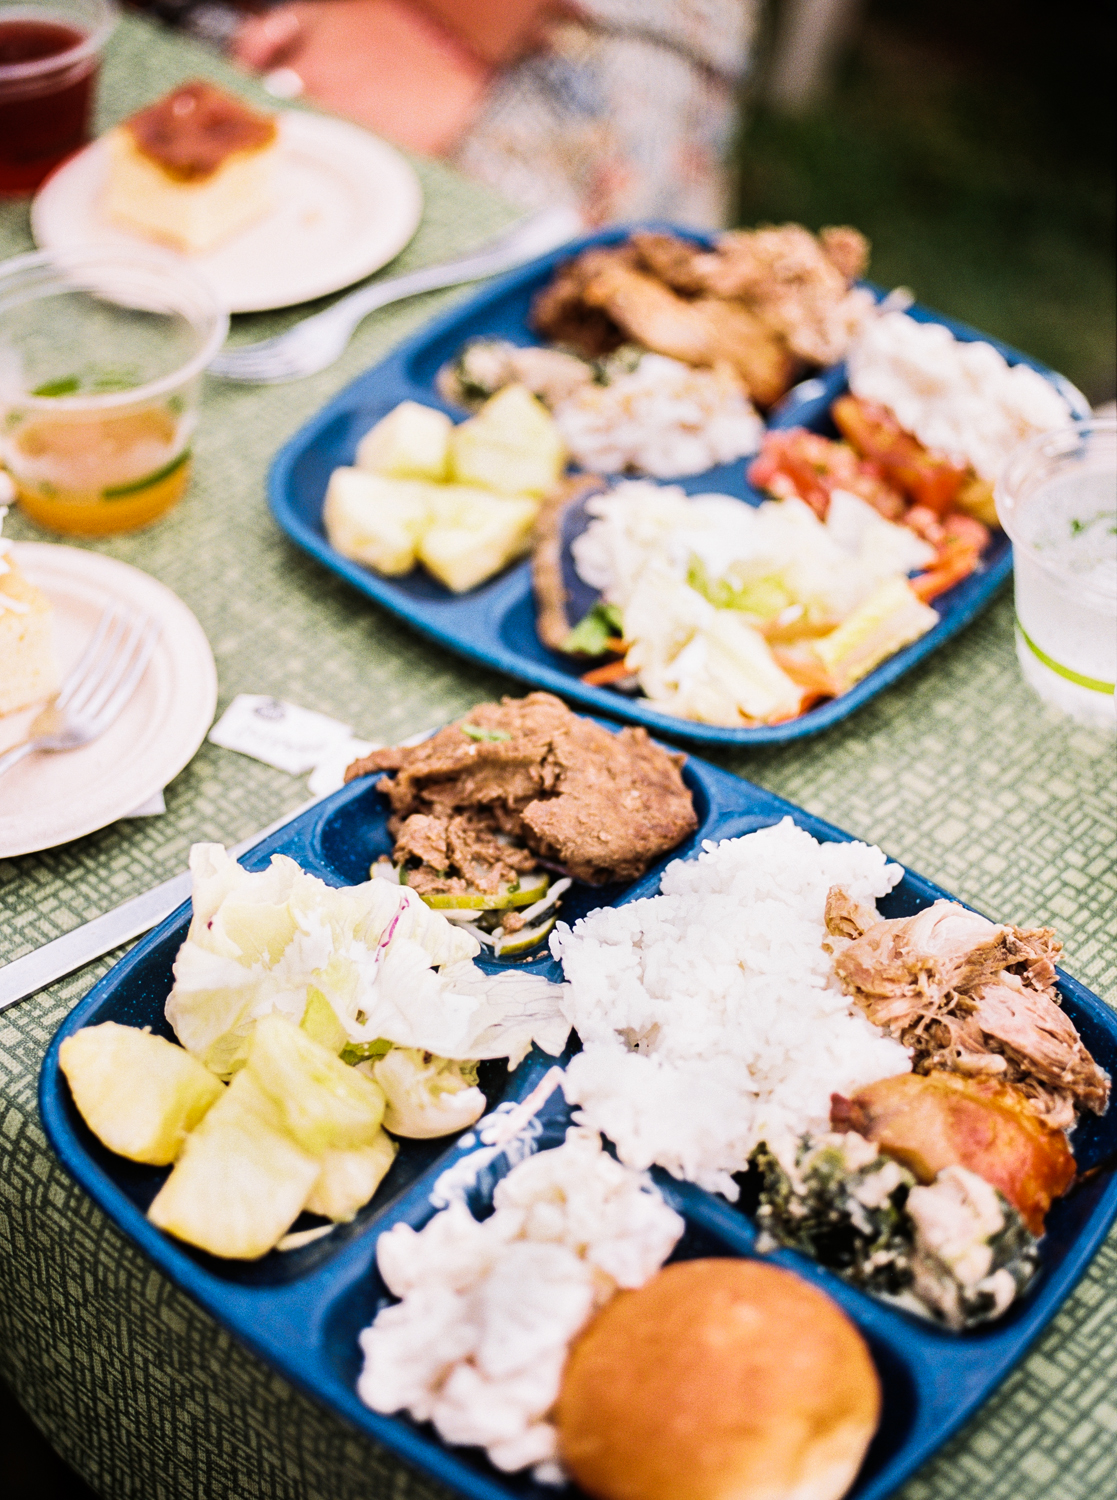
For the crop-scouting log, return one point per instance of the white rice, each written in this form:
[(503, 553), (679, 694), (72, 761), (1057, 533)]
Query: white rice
[(710, 1016), (664, 418)]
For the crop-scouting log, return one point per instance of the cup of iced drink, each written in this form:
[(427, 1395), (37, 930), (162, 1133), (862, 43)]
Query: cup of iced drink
[(50, 55), (1057, 499), (101, 360)]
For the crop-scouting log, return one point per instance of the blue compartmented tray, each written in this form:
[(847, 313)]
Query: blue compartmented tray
[(301, 1311), (494, 624)]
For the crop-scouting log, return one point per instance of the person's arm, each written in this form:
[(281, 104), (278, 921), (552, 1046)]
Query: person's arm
[(384, 63), (496, 31), (415, 71)]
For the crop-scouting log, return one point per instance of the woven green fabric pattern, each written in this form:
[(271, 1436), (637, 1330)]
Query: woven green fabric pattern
[(957, 772)]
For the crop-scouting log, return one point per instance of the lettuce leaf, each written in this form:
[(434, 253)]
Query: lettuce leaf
[(391, 969)]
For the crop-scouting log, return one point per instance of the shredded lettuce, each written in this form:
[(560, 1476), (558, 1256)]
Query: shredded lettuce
[(391, 970), (593, 632), (763, 596), (697, 578)]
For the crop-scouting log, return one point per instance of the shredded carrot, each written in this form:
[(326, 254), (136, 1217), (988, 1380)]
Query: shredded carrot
[(936, 581), (603, 676)]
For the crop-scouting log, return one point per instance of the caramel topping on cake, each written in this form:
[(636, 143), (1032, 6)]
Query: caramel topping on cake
[(192, 132)]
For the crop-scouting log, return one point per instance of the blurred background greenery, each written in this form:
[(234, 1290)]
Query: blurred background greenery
[(973, 144)]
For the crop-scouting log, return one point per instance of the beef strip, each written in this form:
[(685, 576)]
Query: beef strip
[(528, 775), (969, 996)]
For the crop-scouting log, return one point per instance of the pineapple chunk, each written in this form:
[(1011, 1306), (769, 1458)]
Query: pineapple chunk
[(322, 1103), (376, 520), (475, 535), (411, 442), (241, 1181), (892, 616), (138, 1093), (349, 1178), (512, 445)]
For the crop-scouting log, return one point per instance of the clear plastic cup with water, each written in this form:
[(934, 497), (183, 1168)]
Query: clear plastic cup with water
[(1057, 500)]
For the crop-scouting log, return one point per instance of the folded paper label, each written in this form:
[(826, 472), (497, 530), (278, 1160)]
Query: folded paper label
[(280, 734)]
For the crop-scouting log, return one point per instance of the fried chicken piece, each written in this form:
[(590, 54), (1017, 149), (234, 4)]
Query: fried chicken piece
[(847, 248), (940, 1120), (972, 997), (764, 301), (701, 332), (677, 262), (797, 283), (601, 807), (560, 312)]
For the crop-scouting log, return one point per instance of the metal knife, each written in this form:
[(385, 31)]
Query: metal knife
[(25, 976)]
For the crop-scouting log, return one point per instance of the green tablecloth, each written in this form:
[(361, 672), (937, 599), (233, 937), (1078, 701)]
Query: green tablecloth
[(956, 772)]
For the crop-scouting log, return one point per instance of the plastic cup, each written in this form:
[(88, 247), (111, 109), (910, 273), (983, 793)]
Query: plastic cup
[(101, 360), (1057, 500), (50, 55)]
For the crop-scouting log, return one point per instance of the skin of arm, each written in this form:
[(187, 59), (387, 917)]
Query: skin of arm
[(416, 72)]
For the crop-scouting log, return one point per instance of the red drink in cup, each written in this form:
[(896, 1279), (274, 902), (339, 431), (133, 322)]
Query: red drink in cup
[(50, 54)]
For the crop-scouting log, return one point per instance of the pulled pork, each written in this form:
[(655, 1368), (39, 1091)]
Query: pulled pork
[(525, 782), (968, 996)]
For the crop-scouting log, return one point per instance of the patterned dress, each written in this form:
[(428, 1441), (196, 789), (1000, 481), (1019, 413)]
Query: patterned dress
[(630, 111)]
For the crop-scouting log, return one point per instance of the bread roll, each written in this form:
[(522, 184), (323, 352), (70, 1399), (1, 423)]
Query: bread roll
[(718, 1380)]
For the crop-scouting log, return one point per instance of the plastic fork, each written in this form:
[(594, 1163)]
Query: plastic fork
[(317, 341), (96, 690)]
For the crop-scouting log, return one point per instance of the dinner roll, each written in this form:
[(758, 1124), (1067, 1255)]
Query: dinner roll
[(718, 1380)]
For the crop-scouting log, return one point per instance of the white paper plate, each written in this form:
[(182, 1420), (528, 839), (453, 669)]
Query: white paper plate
[(347, 203), (49, 799)]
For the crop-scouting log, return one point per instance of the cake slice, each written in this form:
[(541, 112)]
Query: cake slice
[(192, 169), (28, 673)]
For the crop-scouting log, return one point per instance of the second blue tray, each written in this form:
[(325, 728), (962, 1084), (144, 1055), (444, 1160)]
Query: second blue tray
[(494, 624)]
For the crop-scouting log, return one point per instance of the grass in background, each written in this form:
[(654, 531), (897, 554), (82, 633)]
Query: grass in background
[(978, 160)]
